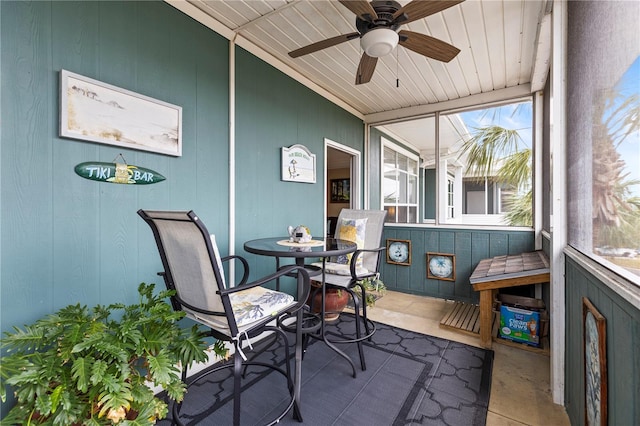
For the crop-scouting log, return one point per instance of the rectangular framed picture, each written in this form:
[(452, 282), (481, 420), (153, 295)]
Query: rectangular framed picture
[(595, 364), (399, 252), (441, 266), (94, 111), (340, 190)]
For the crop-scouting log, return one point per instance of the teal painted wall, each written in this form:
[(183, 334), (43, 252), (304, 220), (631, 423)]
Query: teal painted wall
[(66, 239), (468, 246), (85, 237), (274, 111), (375, 159), (623, 348)]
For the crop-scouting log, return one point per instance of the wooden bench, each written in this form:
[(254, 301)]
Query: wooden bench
[(502, 272)]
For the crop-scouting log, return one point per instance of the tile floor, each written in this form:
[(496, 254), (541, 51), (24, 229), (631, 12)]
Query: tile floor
[(520, 391)]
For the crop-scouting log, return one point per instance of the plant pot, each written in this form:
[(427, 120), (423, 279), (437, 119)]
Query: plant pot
[(335, 301)]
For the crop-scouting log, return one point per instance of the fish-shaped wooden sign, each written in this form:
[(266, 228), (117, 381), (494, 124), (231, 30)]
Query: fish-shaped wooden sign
[(118, 173)]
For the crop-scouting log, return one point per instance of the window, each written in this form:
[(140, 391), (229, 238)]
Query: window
[(488, 153), (479, 175), (400, 183), (603, 140), (450, 202)]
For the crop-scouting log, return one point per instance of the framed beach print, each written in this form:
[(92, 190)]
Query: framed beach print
[(298, 164), (441, 266), (595, 365), (399, 252), (94, 111)]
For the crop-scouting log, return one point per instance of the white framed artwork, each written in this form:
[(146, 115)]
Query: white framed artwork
[(94, 111)]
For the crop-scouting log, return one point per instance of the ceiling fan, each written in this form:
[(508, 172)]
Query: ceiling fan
[(378, 23)]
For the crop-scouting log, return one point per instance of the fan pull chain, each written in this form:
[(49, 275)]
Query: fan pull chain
[(397, 68)]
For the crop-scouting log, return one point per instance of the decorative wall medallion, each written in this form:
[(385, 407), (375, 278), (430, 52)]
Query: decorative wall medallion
[(441, 266), (399, 252)]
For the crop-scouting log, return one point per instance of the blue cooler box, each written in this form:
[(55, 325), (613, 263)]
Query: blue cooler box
[(520, 325)]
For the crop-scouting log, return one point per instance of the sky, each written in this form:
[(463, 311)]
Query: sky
[(512, 116)]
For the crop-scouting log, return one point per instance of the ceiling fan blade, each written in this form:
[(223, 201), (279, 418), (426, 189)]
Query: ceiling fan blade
[(314, 47), (361, 8), (365, 69), (418, 9), (428, 46)]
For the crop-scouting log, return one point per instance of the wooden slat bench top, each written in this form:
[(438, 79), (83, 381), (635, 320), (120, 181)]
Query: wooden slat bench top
[(511, 270)]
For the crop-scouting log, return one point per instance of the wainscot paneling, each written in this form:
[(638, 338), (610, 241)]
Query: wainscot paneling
[(623, 348), (469, 247)]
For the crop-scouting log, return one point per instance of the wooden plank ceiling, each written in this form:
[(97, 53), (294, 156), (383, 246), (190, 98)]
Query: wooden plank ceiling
[(498, 40)]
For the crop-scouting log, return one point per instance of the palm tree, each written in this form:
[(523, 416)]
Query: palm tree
[(616, 214), (498, 152)]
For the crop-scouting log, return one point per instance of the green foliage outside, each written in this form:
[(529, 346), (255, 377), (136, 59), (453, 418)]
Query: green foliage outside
[(499, 153)]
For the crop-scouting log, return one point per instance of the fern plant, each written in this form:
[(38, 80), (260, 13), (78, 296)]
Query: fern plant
[(82, 366), (374, 288)]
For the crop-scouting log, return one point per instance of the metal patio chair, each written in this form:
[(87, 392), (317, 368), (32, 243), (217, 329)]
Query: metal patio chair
[(193, 268), (346, 272)]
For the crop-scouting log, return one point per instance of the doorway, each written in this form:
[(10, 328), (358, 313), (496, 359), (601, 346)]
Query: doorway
[(342, 181)]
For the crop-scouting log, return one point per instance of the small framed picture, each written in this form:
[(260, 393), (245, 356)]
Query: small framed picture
[(340, 190), (595, 364), (441, 266), (399, 252)]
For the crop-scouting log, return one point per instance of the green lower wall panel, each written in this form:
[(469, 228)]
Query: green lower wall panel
[(623, 348), (468, 246)]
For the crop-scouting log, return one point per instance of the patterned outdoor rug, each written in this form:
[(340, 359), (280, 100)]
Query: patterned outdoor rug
[(411, 379)]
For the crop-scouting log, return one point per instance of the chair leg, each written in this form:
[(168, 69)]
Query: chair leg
[(297, 413), (356, 308), (364, 311), (177, 406), (237, 375)]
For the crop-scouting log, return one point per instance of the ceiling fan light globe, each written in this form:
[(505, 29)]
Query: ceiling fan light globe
[(379, 42)]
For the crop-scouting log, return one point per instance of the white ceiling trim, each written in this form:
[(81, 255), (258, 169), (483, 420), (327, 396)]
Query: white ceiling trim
[(542, 56), (466, 102), (194, 12)]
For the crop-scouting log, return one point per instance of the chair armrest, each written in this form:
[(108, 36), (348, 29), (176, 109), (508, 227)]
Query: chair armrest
[(245, 266), (303, 290), (354, 258)]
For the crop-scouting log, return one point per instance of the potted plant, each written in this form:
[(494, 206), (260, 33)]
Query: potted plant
[(334, 302), (374, 288), (82, 366), (336, 299)]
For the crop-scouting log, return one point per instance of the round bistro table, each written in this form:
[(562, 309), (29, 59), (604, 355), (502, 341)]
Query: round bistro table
[(280, 247)]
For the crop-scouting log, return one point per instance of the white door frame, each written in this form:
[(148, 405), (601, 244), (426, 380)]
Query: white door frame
[(356, 175)]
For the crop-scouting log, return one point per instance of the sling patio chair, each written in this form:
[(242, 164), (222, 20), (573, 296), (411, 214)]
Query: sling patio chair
[(364, 227), (193, 268)]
